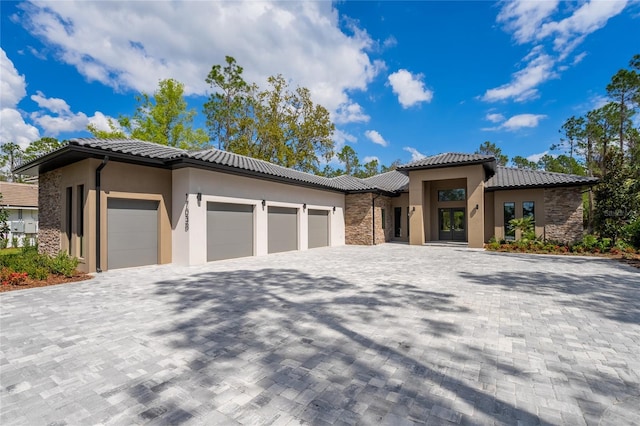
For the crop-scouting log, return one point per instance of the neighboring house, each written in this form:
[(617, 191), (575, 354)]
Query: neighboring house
[(21, 202), (159, 204)]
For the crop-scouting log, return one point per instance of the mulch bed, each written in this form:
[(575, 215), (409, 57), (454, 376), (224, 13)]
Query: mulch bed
[(52, 280)]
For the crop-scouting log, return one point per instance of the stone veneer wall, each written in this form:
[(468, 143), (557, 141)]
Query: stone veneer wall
[(49, 205), (563, 214), (358, 229)]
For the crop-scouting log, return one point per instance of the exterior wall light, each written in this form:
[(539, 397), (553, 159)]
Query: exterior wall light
[(199, 197), (334, 209), (264, 203), (304, 206)]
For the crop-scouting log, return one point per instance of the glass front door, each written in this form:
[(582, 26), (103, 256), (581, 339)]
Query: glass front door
[(452, 224)]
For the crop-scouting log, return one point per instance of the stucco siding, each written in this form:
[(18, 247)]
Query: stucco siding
[(189, 246)]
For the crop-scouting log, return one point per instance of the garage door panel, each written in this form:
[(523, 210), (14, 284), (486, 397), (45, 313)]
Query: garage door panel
[(132, 233), (318, 228), (229, 231), (282, 229)]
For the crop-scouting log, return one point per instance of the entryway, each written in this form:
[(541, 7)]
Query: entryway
[(452, 224)]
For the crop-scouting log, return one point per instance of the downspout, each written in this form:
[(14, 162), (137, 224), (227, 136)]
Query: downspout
[(98, 197), (373, 216)]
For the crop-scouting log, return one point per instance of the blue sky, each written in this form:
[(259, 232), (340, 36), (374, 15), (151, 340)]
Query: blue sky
[(401, 79)]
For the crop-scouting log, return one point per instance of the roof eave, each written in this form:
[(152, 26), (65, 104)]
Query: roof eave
[(48, 161), (443, 166), (539, 186)]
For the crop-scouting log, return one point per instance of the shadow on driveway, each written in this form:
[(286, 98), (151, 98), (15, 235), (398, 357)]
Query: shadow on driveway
[(317, 349)]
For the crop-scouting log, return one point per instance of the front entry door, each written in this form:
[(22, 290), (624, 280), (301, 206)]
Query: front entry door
[(452, 224)]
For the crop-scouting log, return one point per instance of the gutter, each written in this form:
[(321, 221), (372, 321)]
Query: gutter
[(105, 160)]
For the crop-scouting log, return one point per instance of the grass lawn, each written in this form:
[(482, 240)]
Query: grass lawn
[(12, 250)]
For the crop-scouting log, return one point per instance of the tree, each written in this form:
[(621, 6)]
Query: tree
[(616, 202), (349, 158), (229, 110), (4, 224), (40, 147), (163, 118), (369, 169), (489, 148), (624, 90), (115, 131), (276, 124), (394, 165), (522, 163), (561, 164), (573, 130), (10, 158)]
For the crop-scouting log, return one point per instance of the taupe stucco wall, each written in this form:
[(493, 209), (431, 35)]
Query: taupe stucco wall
[(119, 180), (420, 183), (518, 196), (563, 214)]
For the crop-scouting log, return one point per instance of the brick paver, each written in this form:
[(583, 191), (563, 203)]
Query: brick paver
[(392, 334)]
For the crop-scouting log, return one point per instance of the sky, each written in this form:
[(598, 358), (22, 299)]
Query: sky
[(402, 80)]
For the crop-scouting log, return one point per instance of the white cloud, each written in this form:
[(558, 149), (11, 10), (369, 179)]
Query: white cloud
[(494, 117), (589, 17), (56, 105), (55, 116), (541, 23), (409, 88), (415, 154), (536, 157), (15, 129), (13, 86), (350, 113), (519, 122), (523, 85), (376, 137), (136, 44), (523, 18), (370, 158), (389, 42)]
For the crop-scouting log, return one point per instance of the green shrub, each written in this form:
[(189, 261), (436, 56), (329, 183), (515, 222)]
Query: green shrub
[(38, 266), (63, 264), (631, 233)]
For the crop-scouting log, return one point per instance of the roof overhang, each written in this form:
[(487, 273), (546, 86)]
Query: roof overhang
[(541, 186), (489, 166), (70, 154)]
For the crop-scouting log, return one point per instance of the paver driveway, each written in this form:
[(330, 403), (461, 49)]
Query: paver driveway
[(392, 334)]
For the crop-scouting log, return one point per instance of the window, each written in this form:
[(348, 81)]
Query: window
[(528, 210), (383, 219), (81, 219), (458, 194), (509, 213), (69, 216)]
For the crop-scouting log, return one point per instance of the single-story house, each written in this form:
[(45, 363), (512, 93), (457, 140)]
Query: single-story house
[(20, 200), (119, 203)]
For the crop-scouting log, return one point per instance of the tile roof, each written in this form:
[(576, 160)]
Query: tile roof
[(447, 159), (237, 161), (392, 181), (19, 194), (131, 146), (510, 178)]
